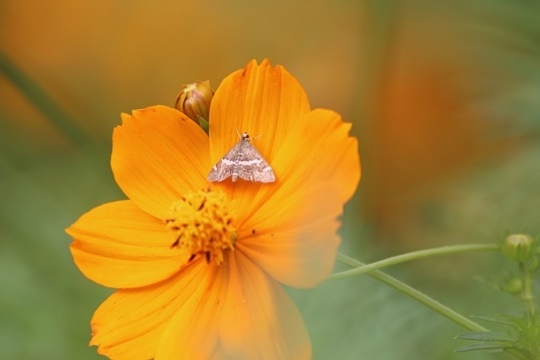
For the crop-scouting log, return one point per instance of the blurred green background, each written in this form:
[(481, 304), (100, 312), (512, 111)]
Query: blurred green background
[(444, 97)]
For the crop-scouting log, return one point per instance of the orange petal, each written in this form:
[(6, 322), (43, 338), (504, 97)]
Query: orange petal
[(120, 246), (159, 154), (319, 150), (260, 99), (320, 170), (246, 315), (193, 331), (130, 323), (300, 252)]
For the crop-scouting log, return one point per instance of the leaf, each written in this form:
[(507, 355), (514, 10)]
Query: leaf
[(486, 336), (499, 319), (485, 346)]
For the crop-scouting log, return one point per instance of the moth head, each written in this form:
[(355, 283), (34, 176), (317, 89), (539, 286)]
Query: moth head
[(245, 136)]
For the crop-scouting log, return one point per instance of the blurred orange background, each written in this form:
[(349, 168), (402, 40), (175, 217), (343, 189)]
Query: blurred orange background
[(443, 97)]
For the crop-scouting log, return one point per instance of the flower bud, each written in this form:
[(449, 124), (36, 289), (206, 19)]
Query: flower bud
[(512, 286), (518, 247), (194, 100)]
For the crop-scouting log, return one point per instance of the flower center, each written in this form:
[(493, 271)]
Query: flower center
[(201, 223)]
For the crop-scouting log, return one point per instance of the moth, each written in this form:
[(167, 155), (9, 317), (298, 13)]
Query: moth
[(243, 161)]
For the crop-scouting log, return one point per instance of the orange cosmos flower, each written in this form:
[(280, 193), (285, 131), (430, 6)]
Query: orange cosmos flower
[(199, 265)]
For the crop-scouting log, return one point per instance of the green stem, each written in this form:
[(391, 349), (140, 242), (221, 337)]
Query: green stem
[(415, 255), (38, 97), (415, 294), (526, 292)]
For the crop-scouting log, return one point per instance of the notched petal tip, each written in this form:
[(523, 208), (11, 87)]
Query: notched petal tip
[(158, 154), (260, 99)]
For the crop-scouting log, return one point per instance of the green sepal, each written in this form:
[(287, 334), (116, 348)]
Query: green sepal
[(203, 124)]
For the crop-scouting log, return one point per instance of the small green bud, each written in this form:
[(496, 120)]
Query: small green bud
[(518, 247), (194, 100), (512, 286)]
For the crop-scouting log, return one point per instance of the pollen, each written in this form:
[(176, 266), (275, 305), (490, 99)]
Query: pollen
[(202, 224)]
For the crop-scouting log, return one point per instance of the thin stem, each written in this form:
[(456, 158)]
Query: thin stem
[(415, 294), (39, 98), (526, 292), (415, 255)]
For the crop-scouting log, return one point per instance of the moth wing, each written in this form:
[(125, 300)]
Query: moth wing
[(220, 172), (253, 167), (224, 167)]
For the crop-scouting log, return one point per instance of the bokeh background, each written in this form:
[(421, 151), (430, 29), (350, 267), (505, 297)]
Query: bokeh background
[(444, 97)]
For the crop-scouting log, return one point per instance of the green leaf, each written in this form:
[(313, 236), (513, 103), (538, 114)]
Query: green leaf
[(486, 336), (499, 319), (486, 346)]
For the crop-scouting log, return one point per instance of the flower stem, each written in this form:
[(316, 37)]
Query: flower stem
[(39, 98), (526, 292), (415, 255), (408, 290)]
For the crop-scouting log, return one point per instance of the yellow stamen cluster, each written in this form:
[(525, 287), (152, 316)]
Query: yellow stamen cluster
[(202, 224)]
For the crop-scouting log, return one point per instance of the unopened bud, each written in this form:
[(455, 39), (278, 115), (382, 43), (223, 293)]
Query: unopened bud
[(518, 247), (512, 286), (194, 100)]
